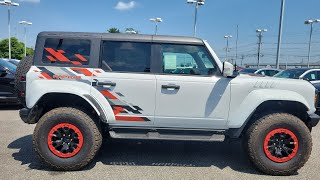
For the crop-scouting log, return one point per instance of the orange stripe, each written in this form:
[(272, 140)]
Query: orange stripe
[(117, 110), (58, 55), (108, 94), (129, 118), (46, 75), (80, 57), (51, 58), (84, 71), (76, 63)]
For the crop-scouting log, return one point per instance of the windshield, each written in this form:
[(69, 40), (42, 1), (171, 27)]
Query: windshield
[(11, 67), (247, 71), (291, 73)]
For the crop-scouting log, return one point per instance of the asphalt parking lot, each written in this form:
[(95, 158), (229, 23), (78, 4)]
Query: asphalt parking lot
[(122, 159)]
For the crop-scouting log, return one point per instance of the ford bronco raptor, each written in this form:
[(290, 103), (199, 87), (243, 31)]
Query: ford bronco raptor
[(81, 87)]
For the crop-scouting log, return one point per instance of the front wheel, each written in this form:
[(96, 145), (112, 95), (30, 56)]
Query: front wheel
[(278, 144), (66, 139)]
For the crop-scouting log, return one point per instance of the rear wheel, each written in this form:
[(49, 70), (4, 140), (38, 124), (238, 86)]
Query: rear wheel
[(66, 139), (279, 144)]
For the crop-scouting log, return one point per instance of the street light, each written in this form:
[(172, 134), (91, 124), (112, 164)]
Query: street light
[(25, 23), (9, 3), (310, 39), (198, 3), (227, 48), (156, 20), (280, 33), (260, 32)]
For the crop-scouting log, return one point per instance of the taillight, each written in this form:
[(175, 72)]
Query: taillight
[(316, 98), (22, 94), (22, 78)]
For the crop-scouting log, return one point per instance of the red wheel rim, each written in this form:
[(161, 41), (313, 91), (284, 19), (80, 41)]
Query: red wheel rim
[(280, 145), (65, 140)]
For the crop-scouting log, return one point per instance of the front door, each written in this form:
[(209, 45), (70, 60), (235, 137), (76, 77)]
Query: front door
[(191, 93), (125, 81)]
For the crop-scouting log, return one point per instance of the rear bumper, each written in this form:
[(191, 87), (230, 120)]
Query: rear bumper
[(9, 100), (314, 119), (30, 116)]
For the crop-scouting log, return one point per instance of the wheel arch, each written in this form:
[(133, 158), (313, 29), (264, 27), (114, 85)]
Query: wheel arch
[(53, 100), (295, 108)]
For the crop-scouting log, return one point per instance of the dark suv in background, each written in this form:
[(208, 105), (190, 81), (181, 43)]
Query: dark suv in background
[(7, 76)]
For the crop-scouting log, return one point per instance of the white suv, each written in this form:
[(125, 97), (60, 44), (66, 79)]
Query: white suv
[(81, 86)]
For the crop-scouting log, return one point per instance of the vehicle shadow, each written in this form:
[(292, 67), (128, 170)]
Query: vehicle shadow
[(153, 153)]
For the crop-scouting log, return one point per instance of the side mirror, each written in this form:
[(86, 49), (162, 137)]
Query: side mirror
[(227, 70), (306, 79)]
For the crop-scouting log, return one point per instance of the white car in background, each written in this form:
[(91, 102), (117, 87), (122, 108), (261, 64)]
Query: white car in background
[(311, 75), (263, 71)]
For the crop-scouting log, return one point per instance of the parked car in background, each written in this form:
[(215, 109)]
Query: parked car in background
[(263, 71), (7, 75), (311, 75), (13, 61)]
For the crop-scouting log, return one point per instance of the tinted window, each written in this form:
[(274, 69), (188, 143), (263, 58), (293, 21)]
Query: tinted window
[(271, 72), (126, 56), (66, 51), (187, 59), (248, 71), (312, 76), (291, 73), (6, 65)]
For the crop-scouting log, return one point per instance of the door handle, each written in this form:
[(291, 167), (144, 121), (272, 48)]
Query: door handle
[(171, 87), (107, 83)]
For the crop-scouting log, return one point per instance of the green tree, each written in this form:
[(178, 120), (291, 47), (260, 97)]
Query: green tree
[(17, 49), (113, 30)]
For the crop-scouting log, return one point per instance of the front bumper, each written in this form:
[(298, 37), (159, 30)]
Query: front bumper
[(314, 119)]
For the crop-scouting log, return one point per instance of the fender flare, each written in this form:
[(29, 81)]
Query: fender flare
[(237, 117), (38, 88)]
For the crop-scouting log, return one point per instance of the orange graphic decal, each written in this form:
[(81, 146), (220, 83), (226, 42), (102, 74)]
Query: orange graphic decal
[(57, 54), (80, 57)]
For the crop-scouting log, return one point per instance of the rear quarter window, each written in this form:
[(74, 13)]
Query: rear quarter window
[(74, 52)]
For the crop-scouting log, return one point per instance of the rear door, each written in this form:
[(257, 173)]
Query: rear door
[(124, 78), (191, 93)]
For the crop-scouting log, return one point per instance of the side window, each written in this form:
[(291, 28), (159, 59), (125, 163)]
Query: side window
[(262, 72), (66, 51), (311, 76), (125, 56), (272, 72), (187, 59)]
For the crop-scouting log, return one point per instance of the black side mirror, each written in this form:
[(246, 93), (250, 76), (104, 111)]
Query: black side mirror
[(3, 73), (306, 79)]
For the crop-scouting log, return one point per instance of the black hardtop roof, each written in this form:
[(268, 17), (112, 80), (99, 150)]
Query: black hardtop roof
[(122, 36)]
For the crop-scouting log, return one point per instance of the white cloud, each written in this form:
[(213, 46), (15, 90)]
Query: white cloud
[(30, 1), (122, 6)]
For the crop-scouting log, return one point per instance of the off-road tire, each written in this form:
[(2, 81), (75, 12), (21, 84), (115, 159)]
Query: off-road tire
[(92, 138), (257, 132), (22, 69)]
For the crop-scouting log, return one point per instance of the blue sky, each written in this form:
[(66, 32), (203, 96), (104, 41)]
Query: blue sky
[(216, 19)]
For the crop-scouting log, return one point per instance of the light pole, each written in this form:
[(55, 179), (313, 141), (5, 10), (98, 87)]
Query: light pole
[(227, 37), (25, 23), (9, 3), (156, 20), (198, 3), (280, 33), (260, 32), (310, 38)]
